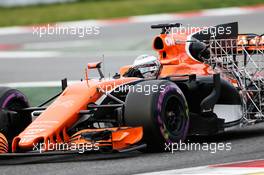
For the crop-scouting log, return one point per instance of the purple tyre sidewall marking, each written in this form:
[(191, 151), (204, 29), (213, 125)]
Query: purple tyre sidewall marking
[(160, 122), (11, 96)]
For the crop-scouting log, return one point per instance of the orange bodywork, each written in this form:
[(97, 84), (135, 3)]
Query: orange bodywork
[(121, 138), (174, 57), (94, 65), (52, 124), (176, 60)]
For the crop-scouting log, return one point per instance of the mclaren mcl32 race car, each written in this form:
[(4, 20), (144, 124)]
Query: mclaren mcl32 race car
[(203, 82)]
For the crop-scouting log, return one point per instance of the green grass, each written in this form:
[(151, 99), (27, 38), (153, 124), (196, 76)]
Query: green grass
[(38, 95), (101, 9)]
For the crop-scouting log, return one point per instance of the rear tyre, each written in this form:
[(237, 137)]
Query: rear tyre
[(11, 122), (163, 113)]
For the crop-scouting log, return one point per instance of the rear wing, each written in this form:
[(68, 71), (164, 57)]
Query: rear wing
[(222, 31), (228, 33)]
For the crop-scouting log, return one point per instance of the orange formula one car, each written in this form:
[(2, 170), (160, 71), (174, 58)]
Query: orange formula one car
[(204, 81)]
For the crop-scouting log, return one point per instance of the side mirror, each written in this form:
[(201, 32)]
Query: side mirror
[(94, 65)]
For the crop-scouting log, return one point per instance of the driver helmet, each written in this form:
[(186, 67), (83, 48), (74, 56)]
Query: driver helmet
[(148, 65)]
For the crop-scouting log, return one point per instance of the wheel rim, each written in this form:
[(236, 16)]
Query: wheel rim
[(173, 115)]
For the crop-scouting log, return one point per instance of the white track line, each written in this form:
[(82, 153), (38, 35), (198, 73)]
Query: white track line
[(14, 30), (153, 18), (205, 170), (143, 18), (218, 169), (18, 55), (37, 84), (58, 44), (28, 54), (83, 23), (226, 11)]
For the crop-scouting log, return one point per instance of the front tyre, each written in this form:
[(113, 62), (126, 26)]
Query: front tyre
[(163, 113), (11, 122)]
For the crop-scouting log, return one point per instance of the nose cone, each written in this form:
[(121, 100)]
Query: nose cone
[(26, 143), (29, 139), (30, 143)]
